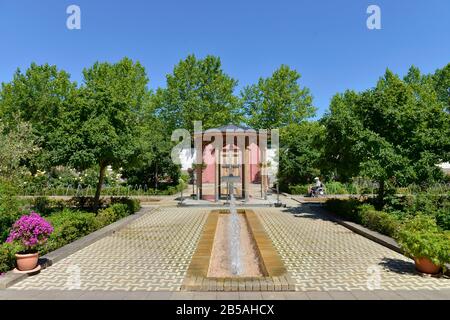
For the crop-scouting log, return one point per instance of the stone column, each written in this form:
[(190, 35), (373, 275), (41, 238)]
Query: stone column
[(216, 175), (247, 173)]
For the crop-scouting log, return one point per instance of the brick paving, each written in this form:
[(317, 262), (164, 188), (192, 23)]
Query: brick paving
[(152, 253), (322, 255), (326, 261)]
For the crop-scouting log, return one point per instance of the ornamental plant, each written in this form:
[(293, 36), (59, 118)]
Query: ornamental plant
[(421, 238), (30, 231)]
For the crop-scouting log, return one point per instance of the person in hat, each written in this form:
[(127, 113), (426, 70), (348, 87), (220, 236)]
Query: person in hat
[(316, 187)]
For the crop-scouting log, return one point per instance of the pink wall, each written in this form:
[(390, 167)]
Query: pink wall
[(209, 172)]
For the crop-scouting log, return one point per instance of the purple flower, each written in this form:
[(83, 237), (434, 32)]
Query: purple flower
[(31, 230)]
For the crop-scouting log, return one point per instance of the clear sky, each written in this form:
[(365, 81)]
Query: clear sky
[(327, 41)]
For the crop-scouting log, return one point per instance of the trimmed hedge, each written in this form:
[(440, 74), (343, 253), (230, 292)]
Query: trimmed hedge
[(383, 222), (366, 215)]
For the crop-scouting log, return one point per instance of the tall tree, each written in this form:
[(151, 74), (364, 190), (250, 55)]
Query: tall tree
[(102, 128), (441, 81), (277, 101), (300, 153), (197, 90), (155, 162), (395, 133), (39, 97)]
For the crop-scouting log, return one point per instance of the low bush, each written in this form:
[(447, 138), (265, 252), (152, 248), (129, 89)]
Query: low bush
[(443, 218), (364, 214), (335, 188), (7, 258), (133, 205), (9, 208), (47, 206), (347, 209), (68, 226), (379, 221), (85, 203), (421, 237), (111, 214), (299, 189)]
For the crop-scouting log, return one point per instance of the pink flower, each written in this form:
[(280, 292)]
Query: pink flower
[(31, 230)]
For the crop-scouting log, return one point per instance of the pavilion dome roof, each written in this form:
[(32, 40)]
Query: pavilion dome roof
[(233, 127)]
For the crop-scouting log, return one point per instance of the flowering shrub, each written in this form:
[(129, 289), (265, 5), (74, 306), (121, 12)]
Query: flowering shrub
[(30, 231)]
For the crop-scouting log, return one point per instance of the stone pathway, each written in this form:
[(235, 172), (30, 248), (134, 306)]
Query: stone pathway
[(322, 255), (153, 253)]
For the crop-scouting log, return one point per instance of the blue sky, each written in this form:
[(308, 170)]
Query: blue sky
[(326, 41)]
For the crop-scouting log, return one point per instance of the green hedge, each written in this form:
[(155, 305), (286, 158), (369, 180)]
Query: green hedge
[(366, 215), (299, 189), (333, 187)]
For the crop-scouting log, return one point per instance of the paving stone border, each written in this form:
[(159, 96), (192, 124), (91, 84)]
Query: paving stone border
[(201, 295), (11, 278)]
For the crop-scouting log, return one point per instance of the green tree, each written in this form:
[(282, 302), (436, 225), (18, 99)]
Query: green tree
[(17, 145), (39, 97), (300, 153), (102, 127), (197, 90), (441, 81), (155, 162), (277, 101), (395, 133)]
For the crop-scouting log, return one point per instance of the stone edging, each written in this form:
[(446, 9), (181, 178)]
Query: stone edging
[(11, 278), (377, 237)]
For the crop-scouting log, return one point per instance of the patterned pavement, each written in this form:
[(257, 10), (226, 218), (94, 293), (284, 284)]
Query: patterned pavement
[(322, 255), (153, 254)]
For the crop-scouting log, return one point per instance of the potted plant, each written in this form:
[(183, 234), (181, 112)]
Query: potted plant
[(30, 231), (422, 240)]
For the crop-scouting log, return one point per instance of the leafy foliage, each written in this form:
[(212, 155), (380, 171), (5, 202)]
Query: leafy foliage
[(101, 128), (420, 237), (277, 101), (197, 90), (394, 133), (300, 153), (9, 208), (39, 97)]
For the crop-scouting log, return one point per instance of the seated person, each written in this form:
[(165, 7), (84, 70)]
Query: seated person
[(317, 185)]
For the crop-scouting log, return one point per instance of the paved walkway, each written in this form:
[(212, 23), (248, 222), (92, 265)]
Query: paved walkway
[(322, 255), (326, 260), (152, 253), (167, 295)]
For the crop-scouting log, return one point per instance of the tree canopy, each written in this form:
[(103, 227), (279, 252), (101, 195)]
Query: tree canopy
[(40, 96), (277, 101), (396, 132), (197, 90), (101, 128)]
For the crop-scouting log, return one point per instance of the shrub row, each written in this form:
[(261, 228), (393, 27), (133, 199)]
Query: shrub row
[(46, 206), (333, 187), (70, 225), (366, 215)]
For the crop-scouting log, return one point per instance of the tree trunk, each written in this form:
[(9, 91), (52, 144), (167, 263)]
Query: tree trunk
[(381, 192), (156, 176), (101, 178)]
